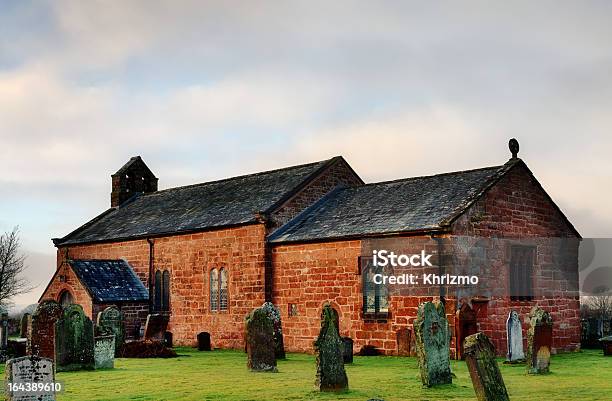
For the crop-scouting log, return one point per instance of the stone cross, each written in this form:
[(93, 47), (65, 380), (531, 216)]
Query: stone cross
[(515, 338), (331, 375), (432, 344), (110, 321), (274, 314), (539, 341), (74, 340), (24, 323), (487, 380), (104, 352), (29, 369), (3, 330), (41, 341), (260, 341)]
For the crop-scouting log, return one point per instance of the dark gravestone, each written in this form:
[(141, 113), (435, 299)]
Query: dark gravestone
[(274, 314), (486, 377), (331, 375), (41, 342), (204, 341), (432, 344), (347, 349), (606, 344), (260, 341), (539, 341), (104, 352), (466, 326), (23, 325), (74, 340), (168, 339), (155, 326), (514, 330), (3, 330), (25, 371), (403, 342), (110, 322)]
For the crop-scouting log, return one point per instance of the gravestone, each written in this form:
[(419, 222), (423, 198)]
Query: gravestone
[(486, 377), (515, 338), (606, 344), (274, 314), (204, 341), (24, 324), (155, 326), (110, 322), (539, 341), (466, 326), (3, 330), (331, 375), (104, 352), (347, 350), (42, 331), (168, 339), (432, 344), (74, 340), (29, 369), (260, 341), (402, 337)]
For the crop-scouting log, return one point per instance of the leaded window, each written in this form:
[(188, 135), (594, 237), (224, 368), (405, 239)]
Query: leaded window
[(521, 273), (214, 290), (375, 296)]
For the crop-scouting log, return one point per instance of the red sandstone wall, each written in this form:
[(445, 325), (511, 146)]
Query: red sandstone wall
[(72, 284)]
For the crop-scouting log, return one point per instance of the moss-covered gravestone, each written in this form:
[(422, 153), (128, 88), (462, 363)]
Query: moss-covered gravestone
[(41, 340), (331, 375), (274, 314), (260, 341), (539, 341), (74, 340), (104, 352), (479, 355), (110, 322), (432, 344)]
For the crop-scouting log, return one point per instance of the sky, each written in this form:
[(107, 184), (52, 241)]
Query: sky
[(207, 90)]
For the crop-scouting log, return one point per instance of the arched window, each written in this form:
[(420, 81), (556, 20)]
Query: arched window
[(166, 291), (66, 298), (214, 290), (157, 305), (223, 289)]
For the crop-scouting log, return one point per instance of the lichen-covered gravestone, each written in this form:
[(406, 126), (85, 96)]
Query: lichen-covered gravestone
[(41, 341), (260, 341), (24, 371), (274, 314), (539, 341), (486, 377), (515, 338), (432, 344), (74, 340), (110, 322), (104, 352), (331, 375), (24, 323)]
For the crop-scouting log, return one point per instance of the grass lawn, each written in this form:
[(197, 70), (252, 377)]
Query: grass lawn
[(222, 375)]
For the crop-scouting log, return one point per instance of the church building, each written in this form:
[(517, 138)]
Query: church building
[(207, 254)]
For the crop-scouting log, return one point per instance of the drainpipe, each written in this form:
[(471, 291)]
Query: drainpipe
[(441, 267), (151, 273)]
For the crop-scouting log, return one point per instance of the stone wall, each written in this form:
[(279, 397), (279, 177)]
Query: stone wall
[(67, 280)]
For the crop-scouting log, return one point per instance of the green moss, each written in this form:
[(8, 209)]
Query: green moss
[(223, 376)]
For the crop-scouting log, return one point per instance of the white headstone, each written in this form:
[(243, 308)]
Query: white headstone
[(515, 338), (21, 374)]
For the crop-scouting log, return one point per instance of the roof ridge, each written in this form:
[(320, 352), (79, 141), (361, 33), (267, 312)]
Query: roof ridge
[(432, 175), (237, 176)]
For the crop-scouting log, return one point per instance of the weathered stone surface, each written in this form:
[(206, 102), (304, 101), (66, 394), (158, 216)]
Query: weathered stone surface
[(74, 340), (24, 323), (402, 337), (260, 341), (432, 344), (41, 342), (515, 338), (104, 352), (3, 330), (274, 314), (479, 355), (30, 369), (331, 375), (110, 322), (347, 349), (204, 341), (539, 341), (155, 326)]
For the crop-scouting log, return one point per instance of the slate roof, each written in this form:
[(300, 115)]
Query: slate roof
[(110, 280), (213, 204), (408, 205)]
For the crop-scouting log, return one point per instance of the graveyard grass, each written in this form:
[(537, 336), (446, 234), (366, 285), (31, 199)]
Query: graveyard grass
[(222, 375)]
